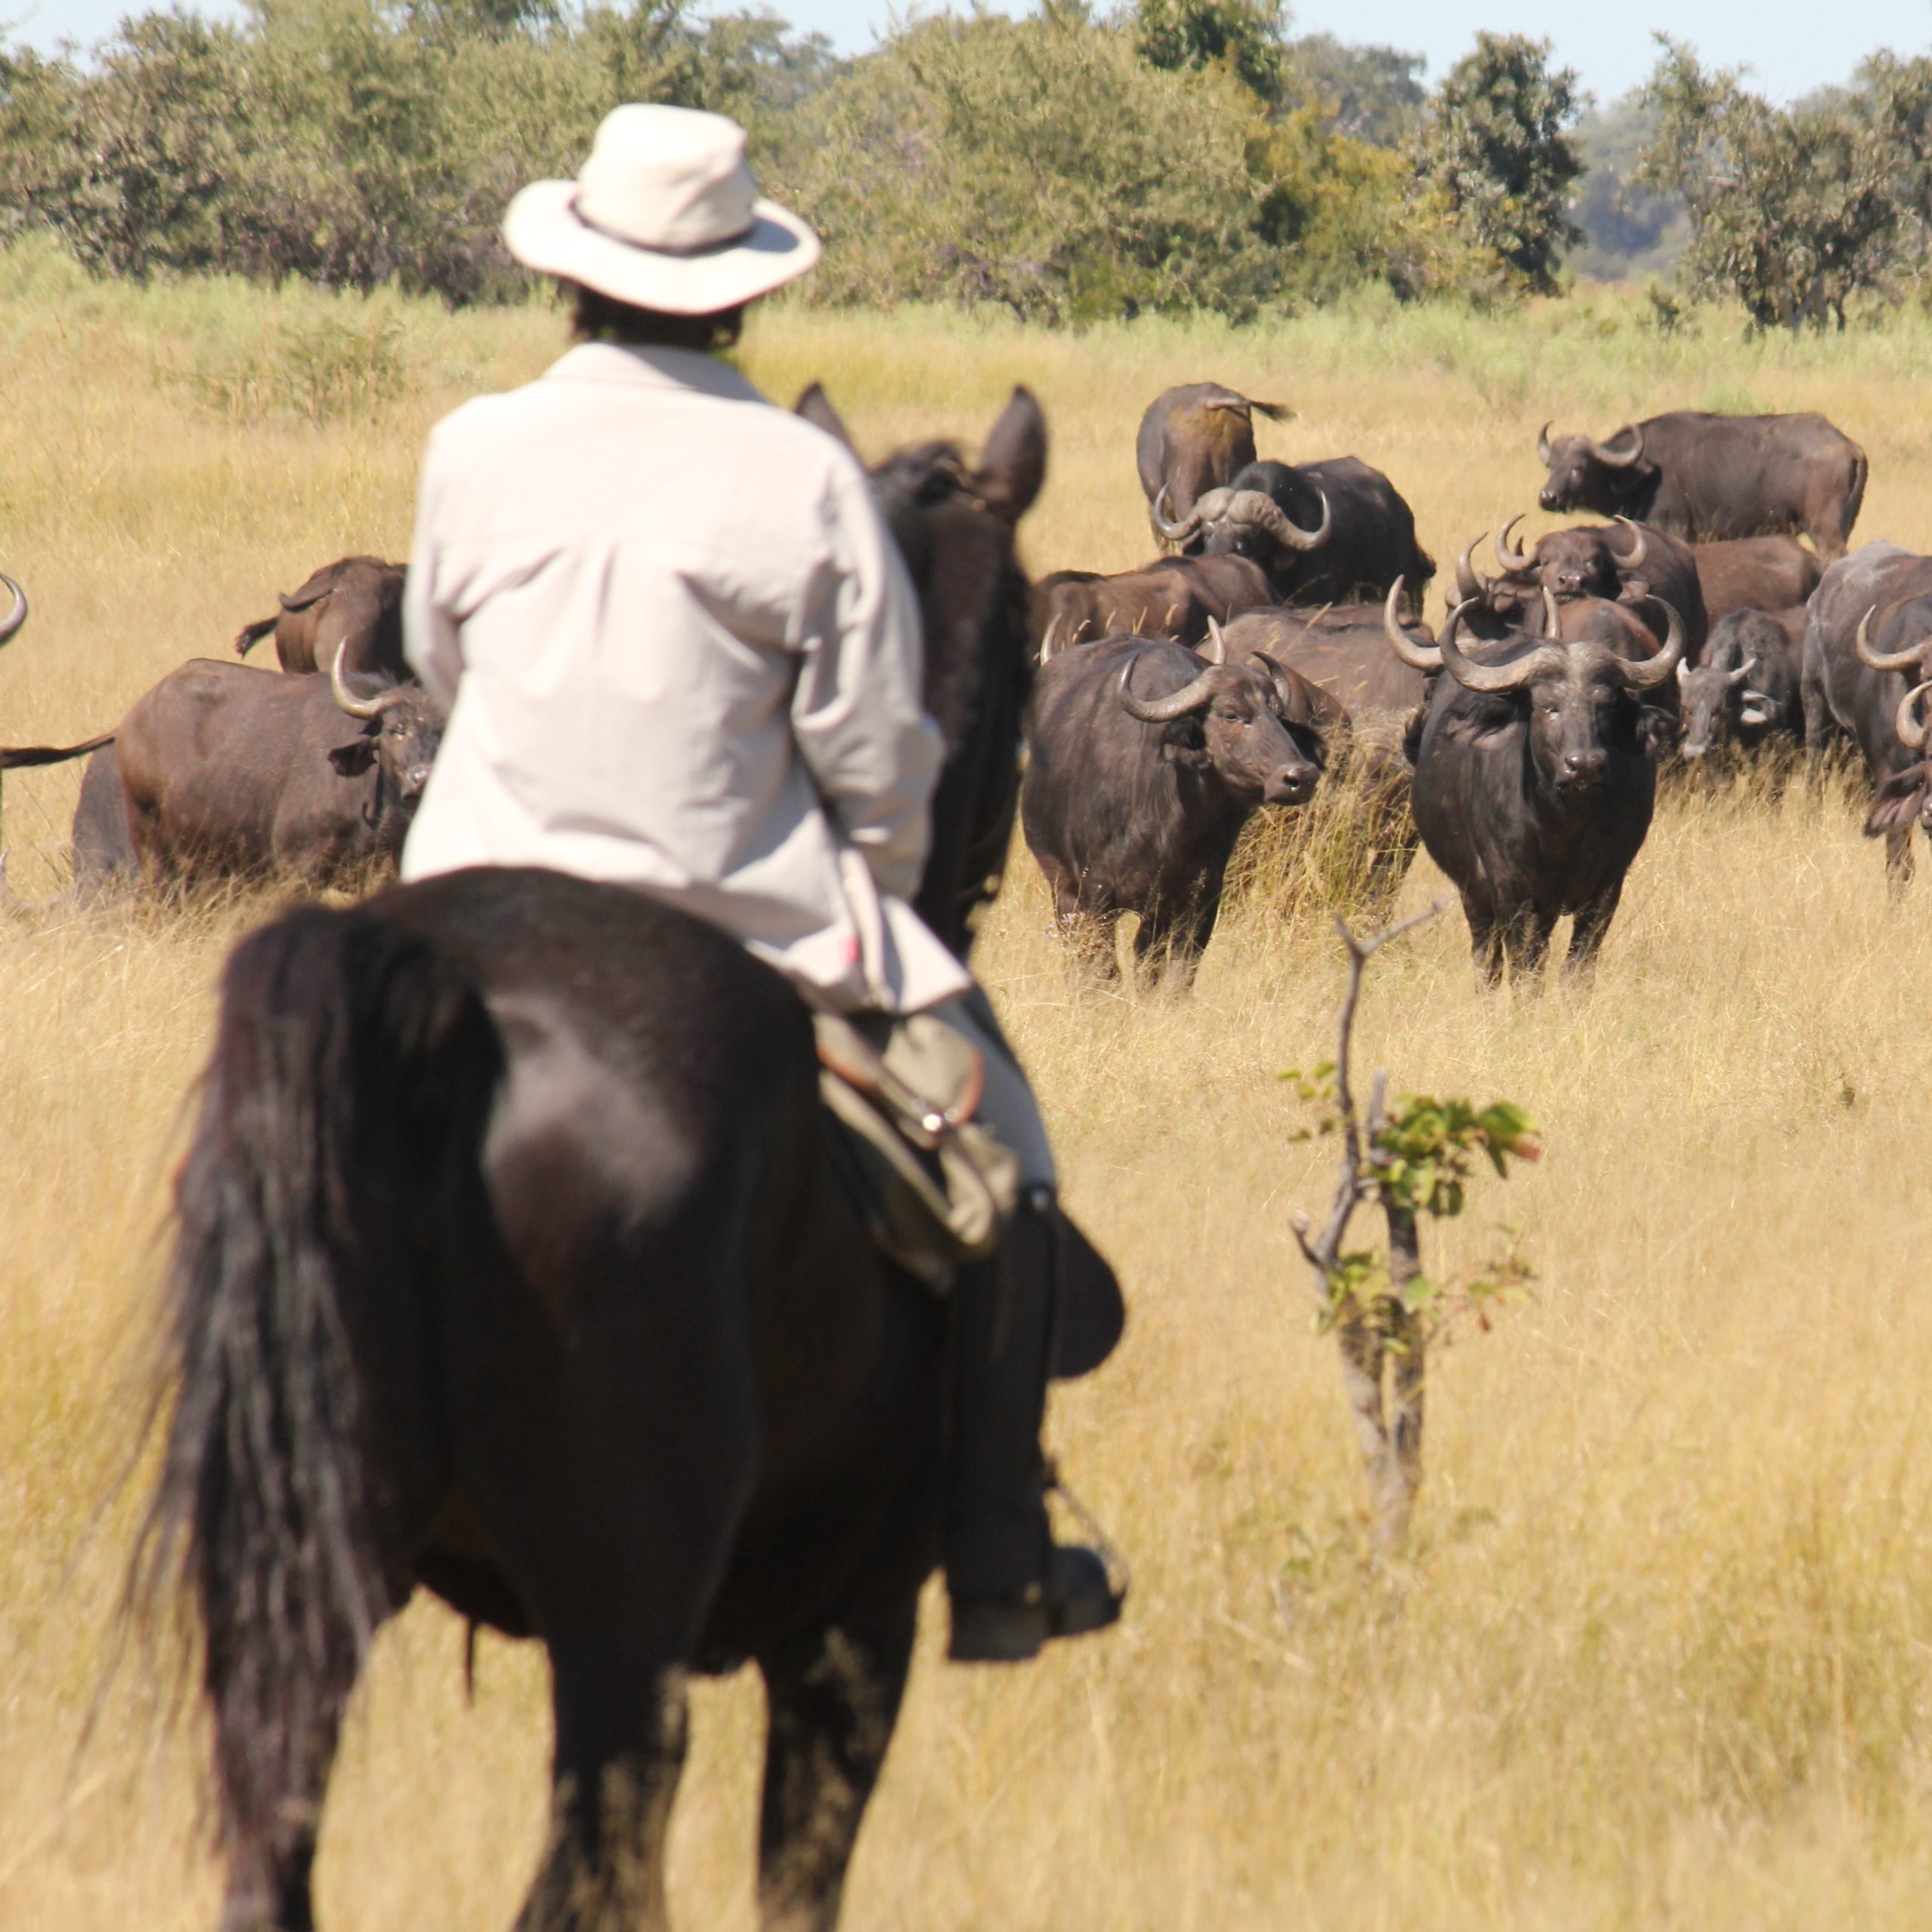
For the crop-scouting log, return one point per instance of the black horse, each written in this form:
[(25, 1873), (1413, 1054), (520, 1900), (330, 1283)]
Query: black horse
[(512, 1263)]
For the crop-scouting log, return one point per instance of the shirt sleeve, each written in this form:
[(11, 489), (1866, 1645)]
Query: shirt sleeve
[(856, 712), (431, 639)]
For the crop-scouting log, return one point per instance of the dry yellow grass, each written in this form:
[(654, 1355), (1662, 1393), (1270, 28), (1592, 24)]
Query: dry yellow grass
[(1663, 1657)]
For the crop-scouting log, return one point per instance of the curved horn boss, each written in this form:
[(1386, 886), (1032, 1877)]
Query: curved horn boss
[(1190, 696)]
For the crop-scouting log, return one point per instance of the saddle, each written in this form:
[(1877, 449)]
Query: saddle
[(934, 1186)]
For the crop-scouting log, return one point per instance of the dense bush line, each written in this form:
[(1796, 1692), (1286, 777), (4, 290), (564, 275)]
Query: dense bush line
[(1186, 155), (1176, 156)]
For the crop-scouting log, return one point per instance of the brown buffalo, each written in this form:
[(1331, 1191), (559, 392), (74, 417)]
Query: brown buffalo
[(1536, 772), (1755, 573), (354, 606), (1646, 570), (1868, 652), (1193, 439), (1175, 598), (228, 771), (1343, 650), (1146, 760), (1703, 477)]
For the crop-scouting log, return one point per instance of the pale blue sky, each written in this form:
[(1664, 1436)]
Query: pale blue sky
[(1791, 46)]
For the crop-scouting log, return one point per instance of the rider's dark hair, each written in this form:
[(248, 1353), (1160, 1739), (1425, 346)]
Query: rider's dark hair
[(600, 318)]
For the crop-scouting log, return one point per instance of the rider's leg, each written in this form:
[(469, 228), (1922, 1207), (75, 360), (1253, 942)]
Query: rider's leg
[(1011, 1589)]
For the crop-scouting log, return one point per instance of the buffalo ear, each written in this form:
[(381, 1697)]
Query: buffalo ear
[(1895, 804), (815, 406), (1012, 466), (354, 758), (1183, 741)]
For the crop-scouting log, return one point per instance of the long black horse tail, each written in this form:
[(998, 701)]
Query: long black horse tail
[(292, 1347)]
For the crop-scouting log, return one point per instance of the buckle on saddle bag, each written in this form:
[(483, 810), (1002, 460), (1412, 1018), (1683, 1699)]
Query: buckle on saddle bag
[(934, 1186)]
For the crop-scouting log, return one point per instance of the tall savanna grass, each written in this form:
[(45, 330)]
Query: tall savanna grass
[(1660, 1655)]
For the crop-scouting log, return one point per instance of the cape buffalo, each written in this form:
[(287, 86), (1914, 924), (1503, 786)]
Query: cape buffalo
[(1193, 439), (1177, 597), (1632, 565), (511, 1262), (1145, 760), (1326, 533), (1744, 690), (1536, 774), (1867, 634), (1702, 477), (353, 606), (103, 857), (1343, 650), (229, 771), (1755, 573)]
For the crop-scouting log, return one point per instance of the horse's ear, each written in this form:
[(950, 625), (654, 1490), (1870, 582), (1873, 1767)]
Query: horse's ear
[(1013, 464), (815, 406)]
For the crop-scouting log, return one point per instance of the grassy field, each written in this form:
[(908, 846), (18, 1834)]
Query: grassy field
[(1663, 1654)]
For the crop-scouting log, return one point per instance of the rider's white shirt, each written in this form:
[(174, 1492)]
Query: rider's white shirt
[(683, 654)]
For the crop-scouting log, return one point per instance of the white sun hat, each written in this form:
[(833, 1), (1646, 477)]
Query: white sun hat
[(664, 215)]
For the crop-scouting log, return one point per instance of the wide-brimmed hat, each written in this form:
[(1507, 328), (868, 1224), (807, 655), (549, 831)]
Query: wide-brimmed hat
[(664, 215)]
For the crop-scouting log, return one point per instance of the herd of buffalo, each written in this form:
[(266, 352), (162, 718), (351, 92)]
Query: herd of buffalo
[(1717, 613), (405, 1329)]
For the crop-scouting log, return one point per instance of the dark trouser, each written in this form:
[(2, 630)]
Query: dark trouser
[(997, 1538)]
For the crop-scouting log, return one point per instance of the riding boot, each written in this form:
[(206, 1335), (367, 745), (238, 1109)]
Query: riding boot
[(1012, 1588)]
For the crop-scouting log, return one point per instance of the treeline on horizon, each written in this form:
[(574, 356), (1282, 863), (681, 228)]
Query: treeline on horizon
[(1172, 156)]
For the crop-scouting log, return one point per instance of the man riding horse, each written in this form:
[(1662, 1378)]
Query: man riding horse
[(681, 653)]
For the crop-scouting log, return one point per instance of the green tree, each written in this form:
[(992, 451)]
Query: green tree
[(1244, 36), (1368, 94), (1794, 211), (1497, 151)]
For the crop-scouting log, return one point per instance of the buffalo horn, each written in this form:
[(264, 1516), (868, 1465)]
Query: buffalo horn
[(1049, 645), (1886, 660), (1683, 672), (1743, 671), (1651, 671), (17, 616), (1487, 677), (1213, 648), (1552, 621), (359, 707), (1469, 583), (1635, 560), (1417, 656), (1545, 454), (1256, 506), (1174, 532), (1164, 710), (1603, 453), (1910, 727), (1279, 675), (1509, 554)]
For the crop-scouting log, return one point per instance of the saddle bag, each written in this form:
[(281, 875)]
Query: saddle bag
[(935, 1187)]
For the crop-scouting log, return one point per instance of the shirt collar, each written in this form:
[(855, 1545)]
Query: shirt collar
[(653, 367)]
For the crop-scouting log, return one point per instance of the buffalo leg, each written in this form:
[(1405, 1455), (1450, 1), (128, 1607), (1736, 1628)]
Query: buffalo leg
[(1586, 932), (1485, 942), (1527, 941), (1898, 859), (620, 1746), (833, 1692), (1090, 940)]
